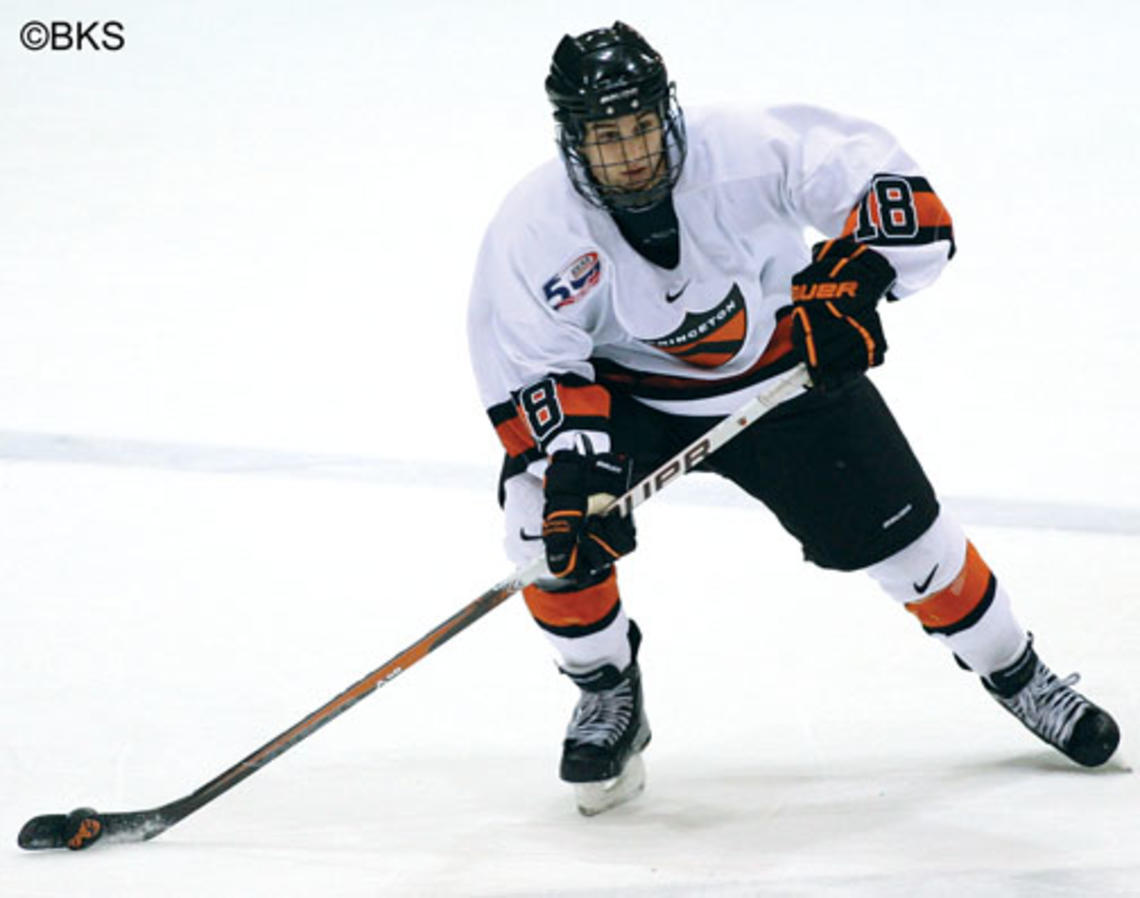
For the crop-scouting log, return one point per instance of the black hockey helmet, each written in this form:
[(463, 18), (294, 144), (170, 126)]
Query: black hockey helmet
[(604, 74)]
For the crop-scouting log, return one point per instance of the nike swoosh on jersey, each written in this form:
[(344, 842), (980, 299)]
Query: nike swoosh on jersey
[(673, 297), (524, 535)]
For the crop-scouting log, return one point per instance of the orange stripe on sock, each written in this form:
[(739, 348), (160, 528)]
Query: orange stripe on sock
[(573, 609), (955, 602)]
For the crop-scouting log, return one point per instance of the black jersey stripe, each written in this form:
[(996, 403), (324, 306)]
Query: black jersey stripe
[(660, 386), (711, 347), (502, 413), (924, 236)]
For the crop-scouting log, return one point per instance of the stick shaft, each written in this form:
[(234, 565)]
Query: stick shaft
[(140, 825), (336, 706), (683, 462)]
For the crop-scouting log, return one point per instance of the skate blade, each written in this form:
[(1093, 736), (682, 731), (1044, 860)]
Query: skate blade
[(594, 798)]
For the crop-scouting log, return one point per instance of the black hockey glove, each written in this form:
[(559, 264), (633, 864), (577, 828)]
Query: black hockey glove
[(834, 323), (578, 543)]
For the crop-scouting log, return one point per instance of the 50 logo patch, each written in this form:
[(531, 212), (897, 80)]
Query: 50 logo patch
[(574, 281)]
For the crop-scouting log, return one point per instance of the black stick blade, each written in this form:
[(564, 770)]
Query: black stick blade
[(45, 831), (77, 830), (83, 827)]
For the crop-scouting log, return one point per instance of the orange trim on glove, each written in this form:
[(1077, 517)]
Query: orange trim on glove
[(868, 340)]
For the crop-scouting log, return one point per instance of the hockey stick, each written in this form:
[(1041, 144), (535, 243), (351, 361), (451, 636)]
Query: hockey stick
[(85, 826)]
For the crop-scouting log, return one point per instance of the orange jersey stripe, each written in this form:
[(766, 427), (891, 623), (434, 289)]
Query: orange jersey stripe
[(588, 401), (573, 609), (957, 601), (931, 212), (708, 359), (515, 436)]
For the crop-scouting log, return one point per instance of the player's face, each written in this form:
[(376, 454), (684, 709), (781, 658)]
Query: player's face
[(625, 153)]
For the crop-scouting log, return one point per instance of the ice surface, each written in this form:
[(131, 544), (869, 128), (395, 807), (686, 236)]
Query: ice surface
[(808, 739), (238, 433)]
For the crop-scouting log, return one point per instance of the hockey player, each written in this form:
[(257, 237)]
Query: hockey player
[(626, 299)]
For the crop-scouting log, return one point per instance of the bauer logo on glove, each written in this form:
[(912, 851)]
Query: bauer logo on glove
[(835, 326)]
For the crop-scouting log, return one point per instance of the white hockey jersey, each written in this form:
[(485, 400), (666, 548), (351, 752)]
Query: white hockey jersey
[(563, 309)]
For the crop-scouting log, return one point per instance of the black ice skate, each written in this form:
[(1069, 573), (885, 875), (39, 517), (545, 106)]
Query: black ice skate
[(601, 754), (1054, 711)]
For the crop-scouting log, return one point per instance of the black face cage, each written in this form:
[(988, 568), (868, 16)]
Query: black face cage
[(571, 136)]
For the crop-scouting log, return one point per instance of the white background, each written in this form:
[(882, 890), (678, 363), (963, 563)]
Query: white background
[(254, 227)]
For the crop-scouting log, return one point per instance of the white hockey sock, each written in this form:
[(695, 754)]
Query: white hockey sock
[(943, 581), (582, 654), (993, 642)]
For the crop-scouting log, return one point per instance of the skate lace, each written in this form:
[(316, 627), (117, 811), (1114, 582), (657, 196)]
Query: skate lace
[(601, 717), (1048, 705)]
